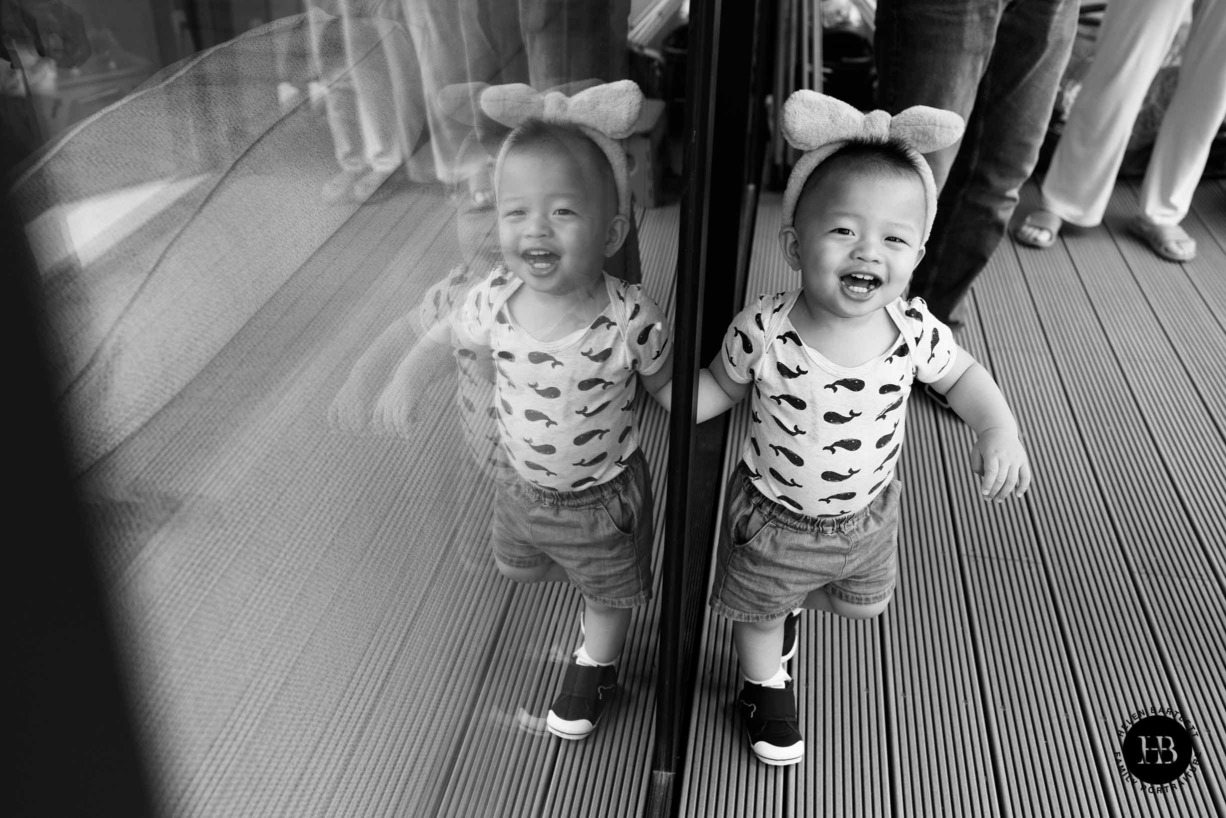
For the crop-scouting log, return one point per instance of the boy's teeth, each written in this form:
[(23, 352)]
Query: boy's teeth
[(861, 282), (539, 258)]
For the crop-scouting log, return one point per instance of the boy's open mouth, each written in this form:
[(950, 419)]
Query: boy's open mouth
[(861, 283), (540, 259)]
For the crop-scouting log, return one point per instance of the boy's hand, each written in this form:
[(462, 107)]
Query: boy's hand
[(1001, 462), (351, 409), (396, 409), (396, 412)]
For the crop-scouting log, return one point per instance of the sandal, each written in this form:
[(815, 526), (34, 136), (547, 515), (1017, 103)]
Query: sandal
[(1039, 220), (1170, 241)]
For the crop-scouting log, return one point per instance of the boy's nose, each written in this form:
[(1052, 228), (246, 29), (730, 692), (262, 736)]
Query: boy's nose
[(538, 226), (868, 250)]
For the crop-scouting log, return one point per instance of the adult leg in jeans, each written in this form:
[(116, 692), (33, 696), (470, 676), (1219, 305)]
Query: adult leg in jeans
[(933, 52), (571, 41), (1028, 51)]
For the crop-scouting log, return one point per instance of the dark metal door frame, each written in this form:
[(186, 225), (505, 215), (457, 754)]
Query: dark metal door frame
[(729, 73)]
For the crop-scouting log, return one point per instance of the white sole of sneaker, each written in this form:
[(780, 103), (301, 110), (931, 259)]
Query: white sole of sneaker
[(569, 730), (779, 756)]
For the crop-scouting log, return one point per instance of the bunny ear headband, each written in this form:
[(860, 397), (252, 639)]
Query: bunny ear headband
[(604, 113), (819, 125)]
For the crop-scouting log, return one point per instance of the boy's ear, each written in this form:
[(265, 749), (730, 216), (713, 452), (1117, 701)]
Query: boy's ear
[(919, 256), (619, 228), (789, 242)]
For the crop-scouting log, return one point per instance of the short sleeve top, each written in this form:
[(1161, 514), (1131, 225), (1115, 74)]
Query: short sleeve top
[(824, 439), (565, 407)]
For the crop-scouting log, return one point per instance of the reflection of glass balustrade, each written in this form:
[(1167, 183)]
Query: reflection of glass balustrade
[(208, 300), (90, 227)]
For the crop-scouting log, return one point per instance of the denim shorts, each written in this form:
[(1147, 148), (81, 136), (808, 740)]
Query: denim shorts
[(770, 557), (600, 535)]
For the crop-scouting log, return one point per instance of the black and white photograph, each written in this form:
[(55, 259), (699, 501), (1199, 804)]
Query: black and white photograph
[(616, 408)]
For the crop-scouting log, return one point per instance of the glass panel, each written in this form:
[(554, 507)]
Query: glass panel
[(319, 378)]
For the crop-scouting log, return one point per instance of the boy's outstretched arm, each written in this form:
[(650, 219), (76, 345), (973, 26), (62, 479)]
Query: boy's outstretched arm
[(353, 406), (997, 455), (717, 393), (428, 360)]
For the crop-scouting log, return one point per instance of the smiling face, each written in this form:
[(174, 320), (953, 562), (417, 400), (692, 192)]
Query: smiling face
[(557, 217), (856, 238)]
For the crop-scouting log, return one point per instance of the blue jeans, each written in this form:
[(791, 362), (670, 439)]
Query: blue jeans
[(997, 63)]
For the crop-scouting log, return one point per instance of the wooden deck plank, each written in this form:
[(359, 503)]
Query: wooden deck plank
[(1089, 520), (1208, 217), (1024, 670), (1167, 348), (936, 711)]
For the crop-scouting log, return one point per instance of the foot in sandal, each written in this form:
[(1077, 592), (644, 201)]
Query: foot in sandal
[(1170, 241), (1039, 229)]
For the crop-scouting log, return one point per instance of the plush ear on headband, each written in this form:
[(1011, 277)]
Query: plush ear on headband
[(605, 113), (610, 109), (812, 120), (819, 125)]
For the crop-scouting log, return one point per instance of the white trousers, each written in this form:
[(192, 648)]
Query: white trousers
[(1135, 37), (366, 62)]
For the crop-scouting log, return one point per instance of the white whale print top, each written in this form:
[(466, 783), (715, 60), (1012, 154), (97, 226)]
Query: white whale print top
[(824, 439), (565, 407)]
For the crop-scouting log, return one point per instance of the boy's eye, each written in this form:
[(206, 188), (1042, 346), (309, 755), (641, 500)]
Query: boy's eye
[(898, 239), (843, 231), (564, 211), (516, 212)]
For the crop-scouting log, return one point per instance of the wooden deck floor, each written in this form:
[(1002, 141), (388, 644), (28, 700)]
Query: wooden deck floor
[(315, 627), (1022, 635)]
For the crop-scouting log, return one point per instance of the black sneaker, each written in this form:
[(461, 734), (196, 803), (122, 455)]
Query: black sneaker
[(770, 720), (585, 692), (791, 623)]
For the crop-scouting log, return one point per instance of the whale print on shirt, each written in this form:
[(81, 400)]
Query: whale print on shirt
[(790, 373), (558, 424), (792, 457), (543, 358), (853, 384), (783, 481), (837, 421), (746, 345), (791, 400), (790, 335), (597, 357)]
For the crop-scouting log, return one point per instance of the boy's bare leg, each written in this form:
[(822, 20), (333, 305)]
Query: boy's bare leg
[(820, 599), (549, 572), (759, 647), (605, 631)]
